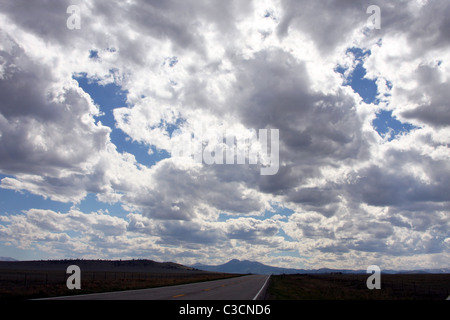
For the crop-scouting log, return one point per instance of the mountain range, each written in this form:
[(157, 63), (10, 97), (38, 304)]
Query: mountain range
[(7, 259), (246, 266), (232, 266)]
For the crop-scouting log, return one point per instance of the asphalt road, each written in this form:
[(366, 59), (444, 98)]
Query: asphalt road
[(239, 288)]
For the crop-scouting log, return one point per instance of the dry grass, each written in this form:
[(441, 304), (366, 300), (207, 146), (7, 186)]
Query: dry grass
[(38, 284), (353, 287)]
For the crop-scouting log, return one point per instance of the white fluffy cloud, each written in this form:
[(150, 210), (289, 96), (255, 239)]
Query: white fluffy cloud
[(355, 197)]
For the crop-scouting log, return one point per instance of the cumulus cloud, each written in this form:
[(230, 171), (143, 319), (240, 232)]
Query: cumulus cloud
[(351, 196)]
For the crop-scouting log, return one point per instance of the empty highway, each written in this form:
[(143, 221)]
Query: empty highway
[(239, 288)]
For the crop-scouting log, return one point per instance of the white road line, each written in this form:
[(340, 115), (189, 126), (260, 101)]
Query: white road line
[(261, 288)]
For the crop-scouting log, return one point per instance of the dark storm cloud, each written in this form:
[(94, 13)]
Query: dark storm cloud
[(328, 22), (44, 18), (35, 122), (436, 111)]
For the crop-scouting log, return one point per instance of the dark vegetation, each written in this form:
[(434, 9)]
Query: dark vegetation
[(353, 287), (40, 279)]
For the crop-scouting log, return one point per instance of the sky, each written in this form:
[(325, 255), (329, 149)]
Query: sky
[(95, 104)]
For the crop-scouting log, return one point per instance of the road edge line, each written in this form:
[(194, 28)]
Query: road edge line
[(260, 290)]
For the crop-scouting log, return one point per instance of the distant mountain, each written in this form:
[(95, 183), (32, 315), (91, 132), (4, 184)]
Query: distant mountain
[(7, 259), (246, 266), (441, 270)]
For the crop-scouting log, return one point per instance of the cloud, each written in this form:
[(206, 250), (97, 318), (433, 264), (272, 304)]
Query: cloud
[(72, 233), (238, 66), (252, 230), (48, 133), (327, 23), (431, 106)]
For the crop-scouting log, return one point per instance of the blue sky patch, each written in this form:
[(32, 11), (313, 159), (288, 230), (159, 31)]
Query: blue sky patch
[(109, 97), (388, 126), (93, 54), (366, 88), (14, 202), (385, 124)]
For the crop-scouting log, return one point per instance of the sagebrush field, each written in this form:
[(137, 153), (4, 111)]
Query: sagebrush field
[(353, 287)]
